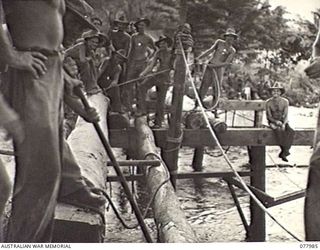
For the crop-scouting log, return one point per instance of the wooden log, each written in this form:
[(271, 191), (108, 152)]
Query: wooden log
[(201, 137), (228, 105), (92, 158), (183, 42), (171, 222)]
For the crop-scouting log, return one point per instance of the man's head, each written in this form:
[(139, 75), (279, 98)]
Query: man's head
[(230, 35), (163, 42), (141, 24), (96, 21), (94, 39), (121, 23), (276, 90)]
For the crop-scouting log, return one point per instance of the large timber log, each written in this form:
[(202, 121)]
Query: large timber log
[(171, 221), (74, 224)]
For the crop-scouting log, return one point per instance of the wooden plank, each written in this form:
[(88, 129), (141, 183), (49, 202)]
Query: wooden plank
[(136, 163), (202, 137), (193, 175), (287, 198), (254, 105)]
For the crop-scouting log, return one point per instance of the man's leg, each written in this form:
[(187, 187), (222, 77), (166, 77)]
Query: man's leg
[(162, 88), (206, 81), (38, 164), (73, 188)]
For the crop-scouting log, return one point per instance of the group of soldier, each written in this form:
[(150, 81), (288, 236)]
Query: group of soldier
[(39, 78)]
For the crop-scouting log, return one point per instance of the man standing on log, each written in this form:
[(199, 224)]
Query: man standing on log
[(312, 200), (139, 55), (222, 55), (163, 61), (35, 90)]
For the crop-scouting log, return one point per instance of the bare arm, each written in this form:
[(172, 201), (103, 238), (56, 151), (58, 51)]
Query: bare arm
[(209, 51), (153, 48), (313, 70), (150, 65)]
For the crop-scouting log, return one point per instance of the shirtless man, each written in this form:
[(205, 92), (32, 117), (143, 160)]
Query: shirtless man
[(163, 60), (312, 201), (120, 38), (35, 91), (222, 55), (139, 55)]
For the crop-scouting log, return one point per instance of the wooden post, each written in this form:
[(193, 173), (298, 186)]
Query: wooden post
[(257, 160), (197, 161), (170, 219), (258, 180), (174, 136)]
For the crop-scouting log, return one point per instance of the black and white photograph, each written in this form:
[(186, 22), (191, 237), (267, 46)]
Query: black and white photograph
[(159, 121)]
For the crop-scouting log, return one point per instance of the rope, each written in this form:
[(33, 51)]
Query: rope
[(256, 200), (137, 79), (278, 168), (123, 222)]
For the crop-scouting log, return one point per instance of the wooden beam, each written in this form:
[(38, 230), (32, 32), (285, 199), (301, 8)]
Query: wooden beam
[(254, 105), (202, 137), (193, 175)]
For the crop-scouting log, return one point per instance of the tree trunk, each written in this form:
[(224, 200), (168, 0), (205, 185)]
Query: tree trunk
[(171, 221)]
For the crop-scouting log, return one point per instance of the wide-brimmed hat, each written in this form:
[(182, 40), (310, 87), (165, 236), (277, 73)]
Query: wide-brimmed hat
[(230, 32), (277, 85), (93, 33), (142, 20), (121, 53), (121, 20), (166, 39)]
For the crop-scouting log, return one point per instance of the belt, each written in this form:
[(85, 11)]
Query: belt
[(44, 51)]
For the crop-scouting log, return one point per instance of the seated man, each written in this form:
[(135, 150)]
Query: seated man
[(277, 115)]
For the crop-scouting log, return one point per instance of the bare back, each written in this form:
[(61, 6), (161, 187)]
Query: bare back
[(35, 23)]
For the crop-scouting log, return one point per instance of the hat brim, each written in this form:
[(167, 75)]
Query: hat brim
[(166, 39), (74, 25), (281, 89), (145, 20), (115, 22), (231, 34), (102, 39)]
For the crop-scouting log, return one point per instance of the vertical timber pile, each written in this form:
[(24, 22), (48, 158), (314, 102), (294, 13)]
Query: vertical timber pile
[(174, 136), (257, 155), (171, 221)]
